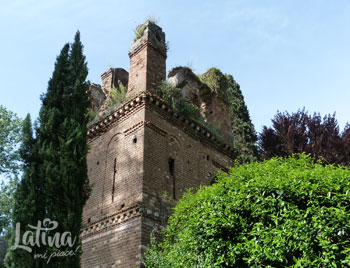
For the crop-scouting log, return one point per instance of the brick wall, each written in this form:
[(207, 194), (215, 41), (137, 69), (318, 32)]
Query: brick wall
[(217, 113), (112, 78), (156, 65), (115, 169), (115, 159), (116, 247), (142, 157), (137, 74), (147, 60)]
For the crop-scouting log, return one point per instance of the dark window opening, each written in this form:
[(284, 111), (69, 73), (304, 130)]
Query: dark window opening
[(208, 157), (97, 163), (114, 174), (171, 163), (211, 112), (122, 206), (134, 140), (89, 220)]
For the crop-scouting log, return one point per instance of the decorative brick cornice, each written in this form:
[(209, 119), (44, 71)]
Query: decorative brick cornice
[(134, 128), (111, 221), (120, 114), (152, 101)]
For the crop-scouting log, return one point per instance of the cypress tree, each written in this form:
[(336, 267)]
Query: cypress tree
[(29, 200), (50, 135), (72, 153), (60, 150), (64, 148), (245, 138)]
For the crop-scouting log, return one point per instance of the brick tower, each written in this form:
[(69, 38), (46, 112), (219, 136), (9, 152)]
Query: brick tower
[(142, 157), (147, 59)]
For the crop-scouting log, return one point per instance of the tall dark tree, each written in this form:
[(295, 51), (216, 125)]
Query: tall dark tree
[(29, 200), (50, 135), (61, 147), (63, 141), (287, 135), (300, 132), (245, 138), (345, 140), (73, 180), (324, 139)]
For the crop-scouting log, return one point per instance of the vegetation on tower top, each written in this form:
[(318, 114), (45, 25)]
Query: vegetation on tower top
[(216, 82), (140, 29)]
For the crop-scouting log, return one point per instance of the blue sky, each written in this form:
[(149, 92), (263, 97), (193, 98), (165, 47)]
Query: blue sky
[(285, 55)]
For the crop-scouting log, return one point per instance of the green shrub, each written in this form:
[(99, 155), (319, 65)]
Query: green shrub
[(172, 96), (140, 29), (118, 96), (91, 114), (279, 213), (216, 81)]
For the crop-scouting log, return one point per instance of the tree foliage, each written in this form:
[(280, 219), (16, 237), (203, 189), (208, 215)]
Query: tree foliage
[(243, 132), (7, 191), (245, 138), (28, 206), (10, 127), (289, 212), (172, 96), (55, 184), (10, 136), (300, 132)]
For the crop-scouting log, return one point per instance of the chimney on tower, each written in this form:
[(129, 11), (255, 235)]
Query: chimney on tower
[(147, 54)]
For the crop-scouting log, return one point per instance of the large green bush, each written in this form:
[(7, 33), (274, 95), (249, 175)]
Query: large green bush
[(279, 213)]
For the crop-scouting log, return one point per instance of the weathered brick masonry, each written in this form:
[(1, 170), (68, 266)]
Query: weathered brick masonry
[(142, 157)]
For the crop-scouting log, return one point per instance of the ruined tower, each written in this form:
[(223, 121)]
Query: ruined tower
[(147, 59), (142, 157), (113, 78)]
